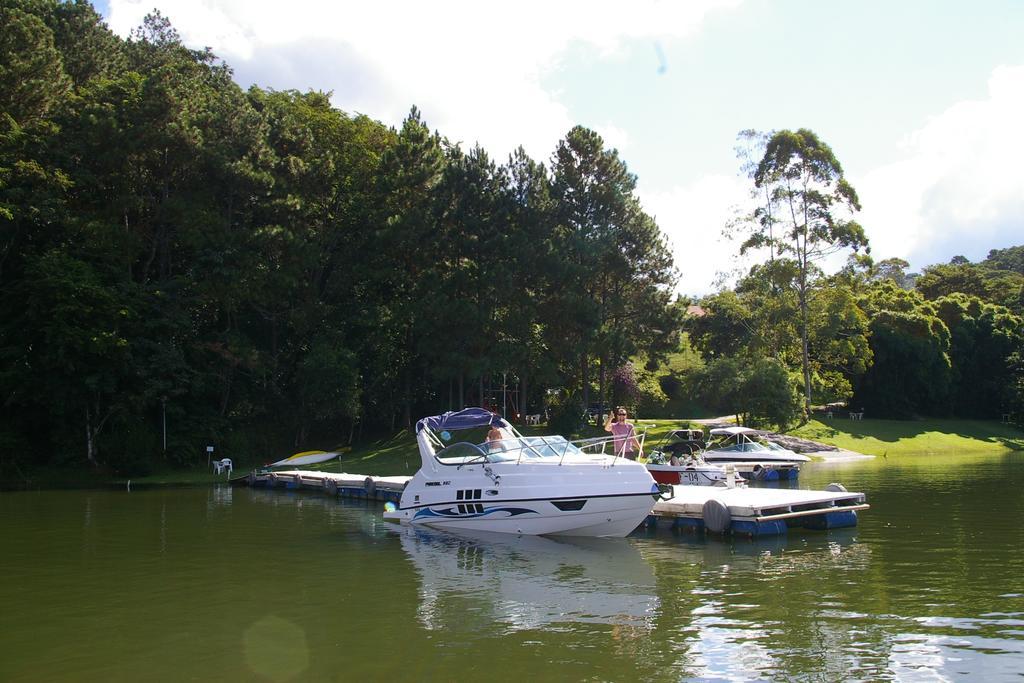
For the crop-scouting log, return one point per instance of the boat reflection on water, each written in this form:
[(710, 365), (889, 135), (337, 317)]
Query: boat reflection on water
[(492, 582)]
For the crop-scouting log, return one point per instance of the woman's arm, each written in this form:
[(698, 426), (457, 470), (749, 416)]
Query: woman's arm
[(635, 441)]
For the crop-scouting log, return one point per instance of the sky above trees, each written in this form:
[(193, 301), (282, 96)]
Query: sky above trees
[(921, 101)]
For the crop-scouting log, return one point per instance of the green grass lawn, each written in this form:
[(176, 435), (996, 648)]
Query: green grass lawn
[(914, 437)]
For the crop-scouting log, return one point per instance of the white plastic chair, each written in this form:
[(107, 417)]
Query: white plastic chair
[(222, 466)]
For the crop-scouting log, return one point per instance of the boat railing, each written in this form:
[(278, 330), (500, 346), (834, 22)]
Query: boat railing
[(543, 448)]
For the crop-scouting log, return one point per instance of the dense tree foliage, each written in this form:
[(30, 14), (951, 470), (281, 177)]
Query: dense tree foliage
[(262, 269)]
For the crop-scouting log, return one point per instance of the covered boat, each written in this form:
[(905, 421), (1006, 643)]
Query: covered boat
[(517, 484), (746, 445)]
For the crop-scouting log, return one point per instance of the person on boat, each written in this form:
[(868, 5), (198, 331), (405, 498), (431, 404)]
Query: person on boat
[(626, 443), (496, 434)]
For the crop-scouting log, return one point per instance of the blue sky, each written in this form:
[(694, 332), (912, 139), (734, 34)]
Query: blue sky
[(921, 101)]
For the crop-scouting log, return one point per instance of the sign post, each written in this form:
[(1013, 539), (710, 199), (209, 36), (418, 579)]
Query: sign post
[(209, 455)]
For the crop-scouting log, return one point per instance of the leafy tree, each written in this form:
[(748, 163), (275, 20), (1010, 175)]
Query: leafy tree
[(32, 78), (614, 271), (840, 351), (911, 373), (760, 391), (803, 215), (769, 396), (411, 171), (944, 279), (894, 269), (1011, 259), (983, 339), (625, 388), (73, 355)]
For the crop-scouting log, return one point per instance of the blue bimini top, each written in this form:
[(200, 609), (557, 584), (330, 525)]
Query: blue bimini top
[(461, 419)]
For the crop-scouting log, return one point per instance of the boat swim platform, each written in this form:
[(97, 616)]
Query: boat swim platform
[(358, 486), (756, 512)]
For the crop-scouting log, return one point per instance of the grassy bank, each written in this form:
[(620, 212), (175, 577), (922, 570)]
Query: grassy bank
[(397, 454), (914, 437)]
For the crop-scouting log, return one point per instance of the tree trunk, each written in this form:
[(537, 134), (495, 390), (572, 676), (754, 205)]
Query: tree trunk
[(522, 397), (90, 447), (805, 354), (585, 377), (407, 398)]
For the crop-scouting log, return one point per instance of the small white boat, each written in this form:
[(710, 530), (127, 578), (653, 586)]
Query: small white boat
[(746, 445), (306, 458), (522, 485), (677, 460)]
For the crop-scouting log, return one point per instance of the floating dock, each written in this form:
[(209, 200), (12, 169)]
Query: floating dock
[(743, 511), (756, 512), (358, 486)]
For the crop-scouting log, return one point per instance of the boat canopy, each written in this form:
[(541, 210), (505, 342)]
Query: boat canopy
[(461, 419), (733, 431)]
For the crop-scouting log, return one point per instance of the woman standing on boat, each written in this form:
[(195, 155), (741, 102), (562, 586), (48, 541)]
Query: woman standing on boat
[(626, 444)]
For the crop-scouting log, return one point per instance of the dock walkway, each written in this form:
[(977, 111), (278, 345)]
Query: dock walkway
[(342, 484)]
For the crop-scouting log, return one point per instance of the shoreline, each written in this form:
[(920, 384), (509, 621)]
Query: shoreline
[(840, 455)]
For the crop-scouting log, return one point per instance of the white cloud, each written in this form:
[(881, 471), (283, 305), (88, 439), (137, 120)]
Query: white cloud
[(693, 218), (473, 68), (614, 137), (959, 188)]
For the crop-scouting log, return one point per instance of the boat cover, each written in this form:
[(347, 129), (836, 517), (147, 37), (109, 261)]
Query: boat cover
[(467, 418)]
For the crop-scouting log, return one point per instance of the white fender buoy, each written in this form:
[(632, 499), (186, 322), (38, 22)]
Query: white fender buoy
[(370, 486), (331, 486), (836, 488), (716, 515), (272, 480), (251, 479)]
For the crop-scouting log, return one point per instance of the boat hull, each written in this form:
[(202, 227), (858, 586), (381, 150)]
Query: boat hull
[(773, 457), (694, 476), (601, 516), (588, 498)]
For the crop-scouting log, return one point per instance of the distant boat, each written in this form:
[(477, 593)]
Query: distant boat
[(742, 444), (306, 458)]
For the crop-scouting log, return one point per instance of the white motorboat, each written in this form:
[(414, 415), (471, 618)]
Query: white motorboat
[(746, 445), (522, 485)]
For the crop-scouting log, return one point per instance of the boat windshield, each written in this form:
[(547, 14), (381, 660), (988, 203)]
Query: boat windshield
[(748, 444), (527, 448)]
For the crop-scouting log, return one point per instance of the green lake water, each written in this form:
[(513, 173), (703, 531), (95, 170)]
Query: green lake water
[(239, 584)]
